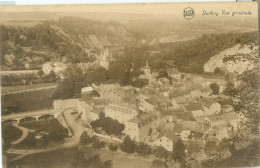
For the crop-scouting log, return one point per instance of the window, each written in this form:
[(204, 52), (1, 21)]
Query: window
[(160, 140)]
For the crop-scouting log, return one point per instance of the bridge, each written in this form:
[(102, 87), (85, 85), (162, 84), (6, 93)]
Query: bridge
[(30, 116)]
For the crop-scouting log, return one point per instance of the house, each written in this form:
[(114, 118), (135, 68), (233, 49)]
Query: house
[(180, 92), (174, 73), (163, 81), (230, 119), (141, 127), (185, 116), (210, 106), (87, 91), (122, 112), (168, 134), (196, 109), (219, 132), (90, 109), (127, 92), (150, 104)]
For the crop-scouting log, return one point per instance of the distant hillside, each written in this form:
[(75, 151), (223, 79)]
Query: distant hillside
[(158, 31), (66, 39), (190, 56)]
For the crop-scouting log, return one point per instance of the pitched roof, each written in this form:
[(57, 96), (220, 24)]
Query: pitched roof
[(143, 118), (179, 92), (172, 71), (169, 130), (172, 112), (186, 116), (152, 101), (193, 107), (224, 117), (99, 102), (97, 111), (207, 102)]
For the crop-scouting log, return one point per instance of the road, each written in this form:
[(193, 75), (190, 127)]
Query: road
[(30, 90)]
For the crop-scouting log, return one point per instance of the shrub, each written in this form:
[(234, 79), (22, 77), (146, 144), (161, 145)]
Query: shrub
[(112, 147), (215, 88)]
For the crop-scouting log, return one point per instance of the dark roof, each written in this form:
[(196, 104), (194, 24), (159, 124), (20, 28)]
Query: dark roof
[(152, 101), (172, 71), (94, 110), (143, 118), (186, 116), (172, 112), (99, 102), (207, 102), (193, 107), (179, 92), (225, 117), (169, 130)]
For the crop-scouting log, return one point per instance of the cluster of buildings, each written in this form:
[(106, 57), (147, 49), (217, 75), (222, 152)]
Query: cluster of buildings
[(59, 67), (180, 106)]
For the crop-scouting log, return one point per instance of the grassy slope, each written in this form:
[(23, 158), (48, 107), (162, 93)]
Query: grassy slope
[(64, 158), (44, 125), (10, 133), (27, 101)]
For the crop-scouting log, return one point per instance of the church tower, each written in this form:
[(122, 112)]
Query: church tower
[(104, 59), (147, 70)]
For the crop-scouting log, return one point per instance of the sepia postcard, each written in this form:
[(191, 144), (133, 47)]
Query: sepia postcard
[(130, 86)]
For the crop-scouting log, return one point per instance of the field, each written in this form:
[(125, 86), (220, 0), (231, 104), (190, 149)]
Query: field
[(27, 101), (64, 158), (7, 89)]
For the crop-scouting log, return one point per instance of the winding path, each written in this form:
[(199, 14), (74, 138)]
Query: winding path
[(25, 132)]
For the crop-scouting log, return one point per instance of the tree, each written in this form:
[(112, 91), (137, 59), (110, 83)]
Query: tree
[(192, 163), (109, 125), (218, 71), (81, 161), (128, 145), (98, 144), (160, 152), (143, 149), (215, 88), (112, 147), (85, 139), (52, 77), (230, 89), (210, 147), (40, 73), (179, 152), (158, 164), (248, 98)]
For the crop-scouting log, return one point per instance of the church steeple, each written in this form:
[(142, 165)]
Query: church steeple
[(104, 59), (147, 65), (147, 70)]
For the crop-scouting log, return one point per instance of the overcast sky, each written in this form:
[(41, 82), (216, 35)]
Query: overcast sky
[(157, 9)]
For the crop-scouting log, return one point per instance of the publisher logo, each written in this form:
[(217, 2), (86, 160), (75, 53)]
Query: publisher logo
[(188, 13)]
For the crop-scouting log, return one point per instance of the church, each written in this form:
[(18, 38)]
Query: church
[(147, 73), (104, 59)]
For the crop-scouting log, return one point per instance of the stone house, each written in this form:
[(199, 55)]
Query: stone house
[(141, 127)]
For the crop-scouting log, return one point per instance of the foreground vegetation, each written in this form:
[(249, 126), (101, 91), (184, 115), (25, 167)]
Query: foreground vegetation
[(9, 134), (51, 131)]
